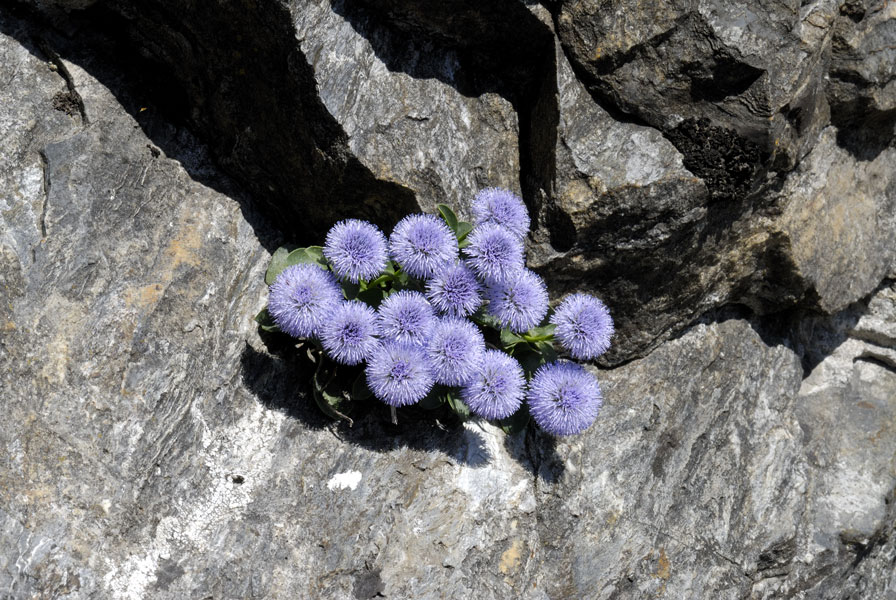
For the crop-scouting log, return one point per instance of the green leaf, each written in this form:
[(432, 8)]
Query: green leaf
[(537, 334), (266, 321), (483, 319), (432, 401), (547, 351), (449, 216), (312, 255), (510, 339), (373, 296), (360, 391), (330, 404), (278, 263), (459, 408), (350, 289), (530, 360), (317, 252), (515, 422), (463, 230)]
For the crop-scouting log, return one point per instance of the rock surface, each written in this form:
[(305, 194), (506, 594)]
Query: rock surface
[(153, 445)]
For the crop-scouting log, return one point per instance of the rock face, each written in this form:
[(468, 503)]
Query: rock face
[(154, 445)]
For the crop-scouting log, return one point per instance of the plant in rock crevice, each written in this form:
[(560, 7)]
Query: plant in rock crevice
[(443, 312)]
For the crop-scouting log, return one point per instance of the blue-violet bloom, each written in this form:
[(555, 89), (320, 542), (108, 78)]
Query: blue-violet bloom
[(356, 250), (494, 252), (501, 207), (301, 298), (497, 388), (455, 350), (399, 374), (520, 303), (584, 326), (423, 245), (564, 398), (406, 316), (455, 291), (349, 335)]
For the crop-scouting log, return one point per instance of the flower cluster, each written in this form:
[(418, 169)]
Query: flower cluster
[(446, 310)]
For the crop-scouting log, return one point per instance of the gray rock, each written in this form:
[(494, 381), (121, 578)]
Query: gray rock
[(152, 444), (753, 69), (720, 472), (861, 87)]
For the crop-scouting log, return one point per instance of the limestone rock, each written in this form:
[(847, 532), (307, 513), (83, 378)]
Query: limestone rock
[(154, 444), (755, 69)]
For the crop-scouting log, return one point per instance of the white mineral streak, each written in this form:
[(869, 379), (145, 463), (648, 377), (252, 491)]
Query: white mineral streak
[(340, 481), (491, 475), (197, 523)]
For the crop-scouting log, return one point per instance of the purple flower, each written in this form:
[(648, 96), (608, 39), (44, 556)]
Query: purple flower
[(564, 398), (494, 252), (406, 317), (301, 298), (520, 303), (501, 207), (455, 350), (497, 388), (350, 332), (584, 326), (356, 250), (454, 291), (398, 373), (423, 245)]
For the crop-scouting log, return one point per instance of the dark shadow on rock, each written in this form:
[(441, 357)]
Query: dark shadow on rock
[(281, 381), (537, 452), (475, 47), (813, 336), (256, 113)]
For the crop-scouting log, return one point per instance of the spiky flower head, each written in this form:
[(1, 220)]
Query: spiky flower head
[(564, 398), (520, 302), (494, 253), (350, 332), (455, 291), (356, 250), (497, 388), (455, 349), (423, 245), (301, 298), (399, 374), (406, 316), (584, 326), (501, 207)]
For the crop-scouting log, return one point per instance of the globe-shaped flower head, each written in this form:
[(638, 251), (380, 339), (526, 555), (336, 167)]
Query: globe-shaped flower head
[(520, 303), (501, 207), (423, 245), (350, 332), (356, 250), (564, 398), (406, 317), (497, 388), (584, 326), (494, 253), (301, 298), (454, 291), (455, 350), (398, 373)]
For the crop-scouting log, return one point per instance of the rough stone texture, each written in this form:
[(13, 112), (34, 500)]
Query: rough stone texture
[(840, 221), (756, 69), (721, 472), (152, 445), (861, 87), (398, 101), (668, 152)]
